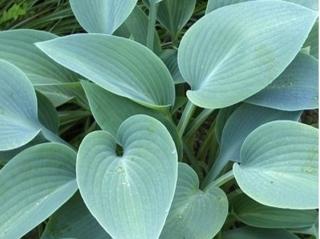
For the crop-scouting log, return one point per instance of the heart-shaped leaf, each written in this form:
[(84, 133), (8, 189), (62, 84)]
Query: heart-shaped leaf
[(281, 157), (195, 213), (295, 89), (17, 47), (239, 125), (174, 14), (129, 192), (18, 110), (73, 220), (102, 16), (255, 214), (214, 4), (119, 65), (110, 110), (228, 59), (255, 233), (33, 185)]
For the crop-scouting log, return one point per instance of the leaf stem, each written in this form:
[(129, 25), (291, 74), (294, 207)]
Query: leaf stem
[(201, 118), (151, 24), (185, 118), (224, 179)]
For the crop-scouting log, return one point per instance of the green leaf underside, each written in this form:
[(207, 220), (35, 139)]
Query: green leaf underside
[(256, 233), (129, 193), (295, 89), (195, 213), (102, 16), (255, 214), (281, 157), (110, 110), (73, 220), (214, 4), (226, 60), (239, 125), (18, 110), (33, 185), (17, 47), (119, 65), (174, 14)]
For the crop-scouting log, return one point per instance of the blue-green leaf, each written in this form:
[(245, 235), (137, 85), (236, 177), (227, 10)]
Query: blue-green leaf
[(102, 16), (18, 110), (279, 165), (33, 185), (17, 47), (255, 233), (214, 4), (119, 65), (295, 89), (129, 192), (169, 57), (228, 59), (255, 214), (195, 213), (73, 220), (110, 110), (239, 125)]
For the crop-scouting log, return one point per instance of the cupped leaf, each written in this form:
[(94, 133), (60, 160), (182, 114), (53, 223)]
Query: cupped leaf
[(174, 14), (255, 214), (255, 233), (33, 185), (102, 16), (73, 220), (239, 125), (195, 213), (214, 4), (228, 59), (18, 110), (281, 157), (129, 192), (17, 47), (110, 110), (295, 89), (169, 58), (119, 65)]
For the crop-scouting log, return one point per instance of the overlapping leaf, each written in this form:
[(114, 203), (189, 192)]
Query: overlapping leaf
[(214, 4), (119, 65), (102, 16), (73, 220), (174, 14), (33, 185), (110, 110), (169, 57), (18, 110), (255, 214), (17, 47), (195, 213), (295, 89), (282, 158), (129, 192), (255, 233), (239, 125), (228, 59)]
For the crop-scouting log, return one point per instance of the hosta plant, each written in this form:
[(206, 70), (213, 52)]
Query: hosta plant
[(151, 125)]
